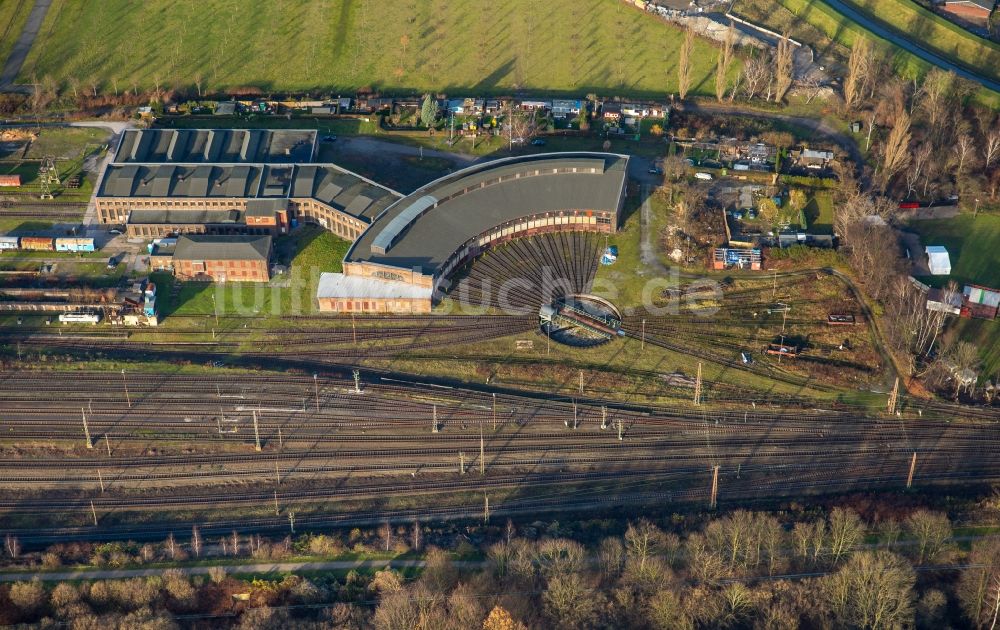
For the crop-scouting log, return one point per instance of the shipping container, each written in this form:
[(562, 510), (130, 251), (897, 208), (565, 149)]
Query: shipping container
[(37, 243), (74, 244), (9, 242)]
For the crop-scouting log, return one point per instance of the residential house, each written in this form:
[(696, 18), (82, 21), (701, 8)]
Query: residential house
[(562, 108), (973, 11), (611, 112), (810, 158)]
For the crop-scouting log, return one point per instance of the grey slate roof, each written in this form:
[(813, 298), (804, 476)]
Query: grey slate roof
[(154, 216), (417, 235), (272, 146), (212, 247)]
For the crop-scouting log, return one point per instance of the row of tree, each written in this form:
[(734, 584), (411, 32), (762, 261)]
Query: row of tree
[(743, 569)]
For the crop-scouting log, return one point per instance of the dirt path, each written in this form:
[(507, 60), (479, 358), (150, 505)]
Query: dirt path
[(20, 51)]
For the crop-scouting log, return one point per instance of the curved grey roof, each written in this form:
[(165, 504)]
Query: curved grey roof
[(425, 228)]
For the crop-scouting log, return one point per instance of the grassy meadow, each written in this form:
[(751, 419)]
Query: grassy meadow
[(571, 46), (13, 15)]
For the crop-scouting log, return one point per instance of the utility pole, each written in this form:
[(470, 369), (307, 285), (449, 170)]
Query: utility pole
[(697, 386), (354, 329), (620, 429), (482, 452), (86, 429), (913, 468), (486, 508), (276, 511), (604, 417), (281, 442), (715, 486), (642, 345), (107, 443), (461, 463), (894, 396), (291, 521), (128, 399), (774, 285), (581, 382), (494, 412), (434, 419), (256, 430), (357, 381), (93, 511), (316, 387), (575, 416), (100, 480)]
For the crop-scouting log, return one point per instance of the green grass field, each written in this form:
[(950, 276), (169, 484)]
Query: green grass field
[(975, 257), (935, 33), (13, 15), (310, 250), (828, 32), (576, 46), (971, 242)]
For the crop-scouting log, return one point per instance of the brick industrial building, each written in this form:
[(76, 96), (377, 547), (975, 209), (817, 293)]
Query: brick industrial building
[(232, 189)]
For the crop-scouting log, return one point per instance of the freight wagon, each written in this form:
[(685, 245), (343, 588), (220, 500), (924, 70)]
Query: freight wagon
[(79, 318), (74, 244), (37, 243), (9, 243)]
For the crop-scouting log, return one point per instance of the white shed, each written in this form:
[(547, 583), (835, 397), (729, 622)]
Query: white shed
[(938, 260)]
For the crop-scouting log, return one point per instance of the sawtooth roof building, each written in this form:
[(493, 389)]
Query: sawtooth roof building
[(254, 172), (231, 182)]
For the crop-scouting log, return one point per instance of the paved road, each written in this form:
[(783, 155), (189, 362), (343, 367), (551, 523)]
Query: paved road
[(367, 144), (20, 51), (907, 44)]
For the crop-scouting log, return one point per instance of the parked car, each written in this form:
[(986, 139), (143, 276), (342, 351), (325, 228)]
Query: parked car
[(655, 171), (746, 358), (115, 231), (537, 142), (112, 262), (704, 176), (329, 138)]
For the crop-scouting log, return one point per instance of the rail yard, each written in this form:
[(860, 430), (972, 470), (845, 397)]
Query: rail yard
[(251, 423)]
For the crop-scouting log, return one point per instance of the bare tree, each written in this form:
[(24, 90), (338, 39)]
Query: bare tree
[(921, 158), (872, 590), (725, 62), (643, 540), (964, 152), (569, 601), (896, 150), (236, 543), (385, 532), (858, 69), (935, 98), (12, 546), (172, 546), (416, 535), (782, 68), (684, 64), (991, 147), (846, 530), (196, 541), (979, 587), (932, 530), (756, 75)]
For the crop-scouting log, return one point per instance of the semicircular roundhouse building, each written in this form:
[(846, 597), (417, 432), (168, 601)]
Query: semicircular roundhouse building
[(403, 261)]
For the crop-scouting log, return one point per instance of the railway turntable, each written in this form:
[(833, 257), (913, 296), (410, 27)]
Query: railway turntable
[(580, 320)]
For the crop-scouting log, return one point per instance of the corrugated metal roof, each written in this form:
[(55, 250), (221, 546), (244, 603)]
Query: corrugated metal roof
[(339, 286), (391, 231)]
